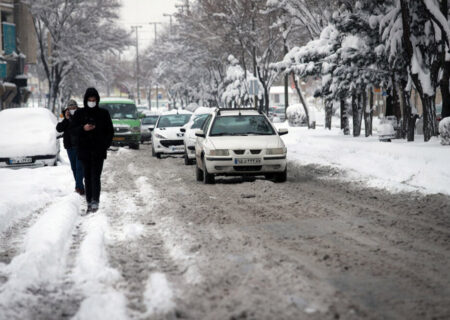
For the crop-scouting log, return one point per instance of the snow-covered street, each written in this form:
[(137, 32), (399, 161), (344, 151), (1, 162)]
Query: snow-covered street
[(164, 246)]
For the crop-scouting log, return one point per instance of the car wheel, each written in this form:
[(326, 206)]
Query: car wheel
[(208, 178), (281, 177), (187, 161), (198, 173)]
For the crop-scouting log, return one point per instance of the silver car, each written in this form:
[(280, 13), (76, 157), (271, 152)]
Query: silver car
[(147, 126)]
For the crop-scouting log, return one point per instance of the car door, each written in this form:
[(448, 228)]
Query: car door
[(200, 142)]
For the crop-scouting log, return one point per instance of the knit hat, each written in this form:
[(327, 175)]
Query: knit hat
[(72, 103)]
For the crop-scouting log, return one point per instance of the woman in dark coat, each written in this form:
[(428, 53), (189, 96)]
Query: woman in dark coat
[(71, 144), (96, 134)]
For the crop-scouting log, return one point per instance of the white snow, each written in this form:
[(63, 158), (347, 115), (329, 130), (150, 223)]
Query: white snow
[(27, 132), (158, 296), (95, 277), (397, 166), (43, 256), (444, 131)]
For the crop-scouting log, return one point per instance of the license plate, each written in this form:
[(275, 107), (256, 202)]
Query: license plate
[(118, 139), (20, 160), (177, 149), (254, 161)]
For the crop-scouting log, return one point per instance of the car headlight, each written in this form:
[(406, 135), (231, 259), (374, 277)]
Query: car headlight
[(219, 152), (274, 151), (157, 135)]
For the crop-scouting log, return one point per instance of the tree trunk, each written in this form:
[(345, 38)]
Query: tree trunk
[(328, 114), (368, 113), (344, 118), (445, 90), (302, 100), (429, 118), (356, 115)]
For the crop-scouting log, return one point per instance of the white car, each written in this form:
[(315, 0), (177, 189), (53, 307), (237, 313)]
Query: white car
[(196, 122), (28, 138), (240, 142), (167, 137), (147, 126)]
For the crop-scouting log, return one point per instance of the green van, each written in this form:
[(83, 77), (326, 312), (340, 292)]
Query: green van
[(127, 125)]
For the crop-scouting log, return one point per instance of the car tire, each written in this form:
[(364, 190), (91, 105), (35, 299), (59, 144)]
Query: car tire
[(198, 173), (158, 155), (281, 176), (153, 152), (187, 161), (208, 178), (134, 146)]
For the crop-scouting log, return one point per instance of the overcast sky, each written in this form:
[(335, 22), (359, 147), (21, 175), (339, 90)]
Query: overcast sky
[(141, 12)]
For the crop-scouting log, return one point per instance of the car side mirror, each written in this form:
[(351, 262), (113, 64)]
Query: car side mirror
[(200, 133), (183, 129), (282, 132)]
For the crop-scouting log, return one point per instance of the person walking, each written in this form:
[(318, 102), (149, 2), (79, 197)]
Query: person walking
[(70, 139), (96, 134)]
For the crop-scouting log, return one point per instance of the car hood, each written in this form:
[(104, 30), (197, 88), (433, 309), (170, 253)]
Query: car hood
[(173, 133), (246, 142)]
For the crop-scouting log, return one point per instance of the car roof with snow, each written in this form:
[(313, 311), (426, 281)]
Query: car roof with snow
[(165, 113), (116, 100), (236, 112)]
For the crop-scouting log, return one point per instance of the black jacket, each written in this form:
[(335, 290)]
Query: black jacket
[(93, 144), (71, 133)]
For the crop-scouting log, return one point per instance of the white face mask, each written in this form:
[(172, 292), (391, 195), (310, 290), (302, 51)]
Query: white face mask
[(91, 104), (72, 112)]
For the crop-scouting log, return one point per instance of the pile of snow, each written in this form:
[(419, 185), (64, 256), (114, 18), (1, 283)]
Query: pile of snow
[(296, 115), (27, 132), (158, 296), (25, 191), (444, 131), (43, 257), (203, 110), (397, 166)]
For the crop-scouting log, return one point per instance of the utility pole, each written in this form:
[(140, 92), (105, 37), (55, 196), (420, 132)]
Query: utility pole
[(156, 31), (182, 6), (170, 16), (136, 28)]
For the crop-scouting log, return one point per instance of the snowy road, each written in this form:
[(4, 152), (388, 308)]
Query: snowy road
[(164, 246)]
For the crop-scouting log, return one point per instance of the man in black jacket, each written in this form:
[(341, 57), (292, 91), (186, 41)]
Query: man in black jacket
[(96, 134), (70, 138)]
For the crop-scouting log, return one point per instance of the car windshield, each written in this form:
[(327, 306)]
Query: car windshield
[(121, 110), (173, 120), (279, 110), (150, 120), (242, 125), (199, 121)]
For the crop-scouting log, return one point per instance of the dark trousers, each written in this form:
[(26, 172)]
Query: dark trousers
[(92, 173), (77, 167)]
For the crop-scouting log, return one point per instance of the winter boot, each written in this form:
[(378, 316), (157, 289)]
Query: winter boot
[(94, 206)]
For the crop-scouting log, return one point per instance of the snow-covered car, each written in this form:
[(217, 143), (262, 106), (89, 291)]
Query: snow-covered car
[(147, 126), (387, 130), (240, 142), (277, 114), (197, 120), (167, 137), (28, 137)]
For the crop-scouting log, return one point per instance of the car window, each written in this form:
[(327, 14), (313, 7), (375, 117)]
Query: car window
[(121, 110), (149, 120), (241, 126), (199, 121), (173, 120), (206, 123)]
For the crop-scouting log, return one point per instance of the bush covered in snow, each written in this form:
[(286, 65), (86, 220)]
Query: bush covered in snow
[(296, 115), (444, 131)]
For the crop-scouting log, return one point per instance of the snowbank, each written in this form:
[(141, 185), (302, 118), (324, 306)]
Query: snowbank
[(397, 166), (95, 277), (43, 257), (158, 296), (25, 191), (26, 132), (444, 131)]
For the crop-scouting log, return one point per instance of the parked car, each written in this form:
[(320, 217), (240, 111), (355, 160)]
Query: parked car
[(147, 126), (197, 120), (126, 122), (167, 137), (388, 129), (277, 114), (28, 137), (240, 142)]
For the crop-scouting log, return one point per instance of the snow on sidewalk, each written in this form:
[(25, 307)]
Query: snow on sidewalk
[(93, 275), (396, 166), (45, 249), (24, 191)]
